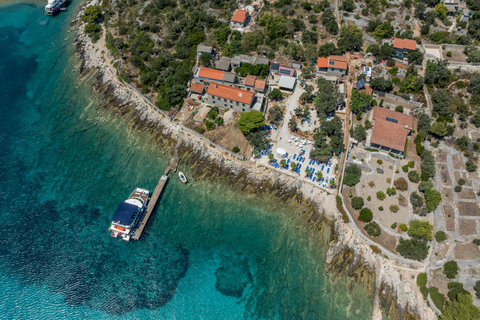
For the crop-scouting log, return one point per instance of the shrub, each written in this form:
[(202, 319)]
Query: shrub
[(449, 53), (394, 208), (401, 184), (403, 227), (359, 116), (458, 188), (380, 208), (399, 109), (379, 171), (422, 284), (413, 176), (415, 249), (219, 121), (350, 193), (235, 149), (477, 242), (365, 215), (373, 229), (369, 198), (371, 184), (440, 236), (425, 185), (357, 203), (209, 125), (342, 209), (416, 200), (391, 191), (405, 168), (432, 199), (199, 129), (381, 195), (420, 229), (477, 289), (212, 114), (437, 298), (450, 269), (352, 175), (379, 161), (470, 165), (411, 164), (455, 288), (461, 181)]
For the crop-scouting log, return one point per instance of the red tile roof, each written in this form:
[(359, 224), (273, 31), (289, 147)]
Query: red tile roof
[(389, 134), (404, 44), (250, 80), (240, 16), (368, 90), (322, 62), (338, 62), (223, 91), (211, 73), (197, 88), (402, 118), (260, 84)]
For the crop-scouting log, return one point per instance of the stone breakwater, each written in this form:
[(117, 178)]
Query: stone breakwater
[(395, 286)]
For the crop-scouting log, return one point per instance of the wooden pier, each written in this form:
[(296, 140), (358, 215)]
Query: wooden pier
[(151, 205)]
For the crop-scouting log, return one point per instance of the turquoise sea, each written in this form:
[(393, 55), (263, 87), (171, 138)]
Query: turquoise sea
[(212, 252)]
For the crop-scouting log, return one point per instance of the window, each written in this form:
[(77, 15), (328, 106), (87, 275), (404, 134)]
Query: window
[(332, 69), (243, 104), (231, 107), (243, 109)]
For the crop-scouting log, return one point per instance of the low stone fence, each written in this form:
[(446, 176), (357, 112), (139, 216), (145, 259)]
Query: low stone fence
[(413, 104)]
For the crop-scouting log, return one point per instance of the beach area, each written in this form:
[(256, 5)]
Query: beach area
[(84, 139)]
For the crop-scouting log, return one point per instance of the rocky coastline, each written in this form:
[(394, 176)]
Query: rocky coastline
[(394, 285)]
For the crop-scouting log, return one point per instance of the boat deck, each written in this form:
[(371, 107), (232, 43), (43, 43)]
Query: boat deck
[(151, 205), (140, 195)]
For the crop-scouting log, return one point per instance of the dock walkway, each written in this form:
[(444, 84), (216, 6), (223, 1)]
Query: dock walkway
[(151, 205)]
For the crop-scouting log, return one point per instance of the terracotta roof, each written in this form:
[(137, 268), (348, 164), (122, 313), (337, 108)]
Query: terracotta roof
[(404, 44), (389, 134), (401, 118), (260, 84), (197, 88), (240, 16), (368, 90), (338, 62), (211, 73), (223, 91), (322, 62), (250, 80)]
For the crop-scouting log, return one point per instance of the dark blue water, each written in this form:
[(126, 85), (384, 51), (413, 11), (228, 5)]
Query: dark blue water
[(212, 252)]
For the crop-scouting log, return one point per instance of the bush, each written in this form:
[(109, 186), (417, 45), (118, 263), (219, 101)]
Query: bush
[(432, 199), (357, 203), (455, 288), (350, 193), (359, 116), (365, 215), (449, 53), (379, 161), (380, 208), (470, 165), (477, 289), (413, 176), (373, 229), (420, 229), (458, 188), (405, 168), (440, 236), (394, 208), (210, 125), (381, 195), (450, 269), (391, 191), (415, 249), (250, 121), (437, 298), (411, 164), (352, 175), (199, 129), (403, 227), (461, 181), (428, 163), (212, 114), (399, 109), (416, 200), (401, 184), (477, 242), (369, 198), (425, 185), (394, 225), (422, 284), (219, 121), (235, 149)]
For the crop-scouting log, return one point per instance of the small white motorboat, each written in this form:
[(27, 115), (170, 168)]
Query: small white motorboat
[(182, 177)]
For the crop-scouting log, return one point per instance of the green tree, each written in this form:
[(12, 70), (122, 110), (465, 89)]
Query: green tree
[(381, 195), (359, 133), (205, 59), (381, 84), (352, 175), (440, 236), (420, 229), (283, 162), (471, 166), (357, 203), (275, 114), (274, 26), (92, 14), (439, 129), (365, 215), (276, 94), (250, 121), (416, 249), (450, 269), (415, 57), (319, 175), (348, 5), (383, 31), (416, 200), (373, 229), (359, 101), (441, 102), (307, 172), (351, 38), (293, 165), (432, 199), (441, 10), (326, 49), (270, 156), (428, 163), (292, 125), (414, 176), (460, 309)]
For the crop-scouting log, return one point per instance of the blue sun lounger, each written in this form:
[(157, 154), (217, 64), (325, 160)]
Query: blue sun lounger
[(328, 170), (294, 156)]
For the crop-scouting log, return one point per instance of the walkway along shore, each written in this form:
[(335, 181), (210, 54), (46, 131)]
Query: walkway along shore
[(395, 281)]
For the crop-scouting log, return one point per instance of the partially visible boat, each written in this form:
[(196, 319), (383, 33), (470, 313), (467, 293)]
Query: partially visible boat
[(182, 177), (128, 214), (54, 6)]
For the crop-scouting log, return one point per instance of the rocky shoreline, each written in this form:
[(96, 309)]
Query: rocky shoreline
[(394, 285)]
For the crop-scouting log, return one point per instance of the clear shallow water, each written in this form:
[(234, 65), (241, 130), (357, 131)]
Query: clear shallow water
[(211, 252)]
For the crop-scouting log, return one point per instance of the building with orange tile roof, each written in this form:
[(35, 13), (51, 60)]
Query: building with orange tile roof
[(229, 97), (390, 130), (403, 47), (240, 18), (335, 65), (197, 88), (208, 75)]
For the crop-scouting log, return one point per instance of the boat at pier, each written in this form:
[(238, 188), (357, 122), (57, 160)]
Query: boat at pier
[(128, 214), (55, 6)]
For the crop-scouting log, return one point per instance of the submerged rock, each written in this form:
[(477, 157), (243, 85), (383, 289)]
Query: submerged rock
[(233, 276)]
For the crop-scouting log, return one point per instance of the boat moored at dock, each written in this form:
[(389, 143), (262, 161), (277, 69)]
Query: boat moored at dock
[(55, 6), (128, 214)]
